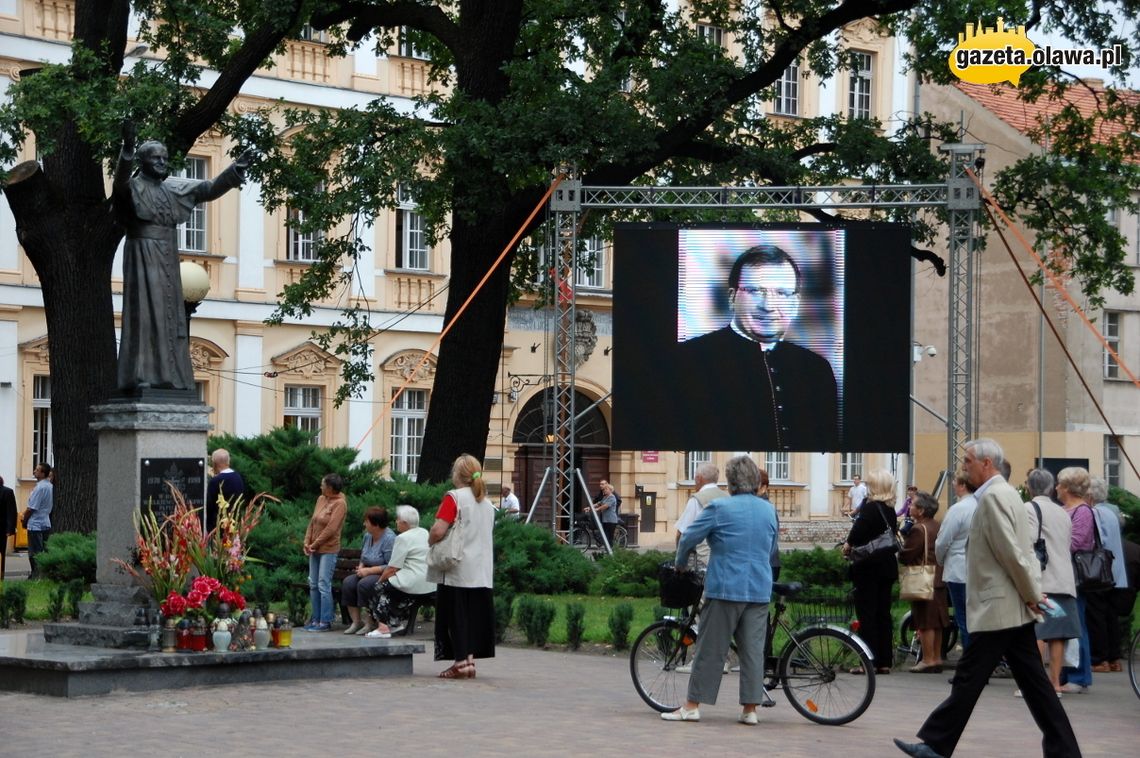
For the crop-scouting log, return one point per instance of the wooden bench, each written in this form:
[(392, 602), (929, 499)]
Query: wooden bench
[(346, 562)]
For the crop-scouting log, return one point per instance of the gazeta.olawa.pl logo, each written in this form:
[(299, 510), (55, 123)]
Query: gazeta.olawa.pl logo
[(988, 55)]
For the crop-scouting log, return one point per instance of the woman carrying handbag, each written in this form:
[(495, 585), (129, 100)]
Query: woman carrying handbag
[(929, 616), (465, 605)]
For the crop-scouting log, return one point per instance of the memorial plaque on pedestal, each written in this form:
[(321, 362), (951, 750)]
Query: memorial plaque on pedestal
[(188, 475)]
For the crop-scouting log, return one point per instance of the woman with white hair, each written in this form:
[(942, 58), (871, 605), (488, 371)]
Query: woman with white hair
[(742, 534), (1073, 492), (403, 580)]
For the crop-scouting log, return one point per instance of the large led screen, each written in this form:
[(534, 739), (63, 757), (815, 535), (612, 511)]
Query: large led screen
[(767, 337)]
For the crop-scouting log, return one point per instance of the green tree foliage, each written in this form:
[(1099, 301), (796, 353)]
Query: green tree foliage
[(628, 92), (1129, 505), (68, 556), (530, 559), (816, 567), (620, 619), (575, 624), (629, 573)]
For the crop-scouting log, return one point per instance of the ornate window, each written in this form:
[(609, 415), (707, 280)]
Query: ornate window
[(1112, 337), (412, 251), (303, 409), (409, 416), (307, 376), (1111, 461), (192, 234), (859, 86), (787, 102), (41, 420)]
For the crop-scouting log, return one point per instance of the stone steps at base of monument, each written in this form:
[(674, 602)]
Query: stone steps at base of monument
[(29, 664), (97, 635), (98, 613)]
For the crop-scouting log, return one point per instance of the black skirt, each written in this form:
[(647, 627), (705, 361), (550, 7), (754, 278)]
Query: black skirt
[(464, 623)]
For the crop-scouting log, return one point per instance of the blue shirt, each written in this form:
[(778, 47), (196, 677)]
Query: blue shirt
[(742, 533), (380, 553), (40, 503)]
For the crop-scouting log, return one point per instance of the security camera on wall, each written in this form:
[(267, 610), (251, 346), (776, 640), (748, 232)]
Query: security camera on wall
[(767, 337)]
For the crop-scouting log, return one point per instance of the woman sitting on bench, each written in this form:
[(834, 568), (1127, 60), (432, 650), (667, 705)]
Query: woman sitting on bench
[(405, 580), (358, 586)]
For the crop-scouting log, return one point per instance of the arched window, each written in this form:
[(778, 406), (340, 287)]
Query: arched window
[(536, 421)]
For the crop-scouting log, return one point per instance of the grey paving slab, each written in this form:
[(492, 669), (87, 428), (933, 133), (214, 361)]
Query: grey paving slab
[(525, 702)]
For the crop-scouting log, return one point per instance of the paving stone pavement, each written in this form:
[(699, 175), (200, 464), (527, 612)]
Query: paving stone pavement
[(525, 702)]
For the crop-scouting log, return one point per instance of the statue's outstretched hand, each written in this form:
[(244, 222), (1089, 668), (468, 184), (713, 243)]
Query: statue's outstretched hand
[(245, 159), (130, 133)]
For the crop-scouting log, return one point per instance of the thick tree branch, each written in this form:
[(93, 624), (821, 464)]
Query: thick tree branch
[(259, 43), (368, 16)]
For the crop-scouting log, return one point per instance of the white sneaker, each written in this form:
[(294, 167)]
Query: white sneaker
[(750, 718), (685, 668), (682, 714)]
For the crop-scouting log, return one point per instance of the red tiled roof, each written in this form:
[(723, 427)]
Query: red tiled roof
[(1002, 101)]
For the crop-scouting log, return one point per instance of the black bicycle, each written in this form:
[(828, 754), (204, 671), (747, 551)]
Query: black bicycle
[(813, 666), (586, 534), (1134, 662), (910, 647)]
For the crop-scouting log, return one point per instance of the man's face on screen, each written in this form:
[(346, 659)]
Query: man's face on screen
[(766, 302)]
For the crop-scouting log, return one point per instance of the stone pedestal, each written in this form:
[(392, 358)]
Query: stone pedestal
[(130, 432), (132, 435)]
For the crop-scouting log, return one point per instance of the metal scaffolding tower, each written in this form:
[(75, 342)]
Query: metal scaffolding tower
[(958, 196)]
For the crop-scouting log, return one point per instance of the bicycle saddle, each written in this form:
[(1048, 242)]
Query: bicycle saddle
[(788, 589)]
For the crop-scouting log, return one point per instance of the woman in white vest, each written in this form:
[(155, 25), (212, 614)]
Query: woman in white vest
[(465, 607)]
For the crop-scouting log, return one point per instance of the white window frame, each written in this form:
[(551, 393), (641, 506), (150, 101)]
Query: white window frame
[(412, 250), (850, 466), (302, 246), (1111, 461), (42, 444), (778, 465), (409, 417), (787, 100), (694, 459), (304, 408), (712, 34), (1112, 337), (591, 271), (192, 237), (405, 48), (859, 85)]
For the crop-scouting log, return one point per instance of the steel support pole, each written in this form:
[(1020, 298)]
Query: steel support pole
[(963, 201), (566, 203)]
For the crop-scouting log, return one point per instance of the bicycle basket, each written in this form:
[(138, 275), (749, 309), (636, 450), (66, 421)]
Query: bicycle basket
[(679, 589), (822, 605)]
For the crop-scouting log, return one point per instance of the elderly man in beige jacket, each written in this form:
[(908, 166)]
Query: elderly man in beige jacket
[(1003, 593)]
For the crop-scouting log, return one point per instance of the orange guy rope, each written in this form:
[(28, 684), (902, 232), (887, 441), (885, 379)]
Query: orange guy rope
[(447, 328), (1057, 284)]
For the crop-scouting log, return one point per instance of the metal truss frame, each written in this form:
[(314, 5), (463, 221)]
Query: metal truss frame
[(958, 196)]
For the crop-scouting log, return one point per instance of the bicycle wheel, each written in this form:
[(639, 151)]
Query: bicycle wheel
[(814, 669), (1134, 663), (653, 662), (910, 647), (621, 537), (581, 537)]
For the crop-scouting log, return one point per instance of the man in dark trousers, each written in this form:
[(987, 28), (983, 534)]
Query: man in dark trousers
[(1003, 597), (226, 483), (8, 519)]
